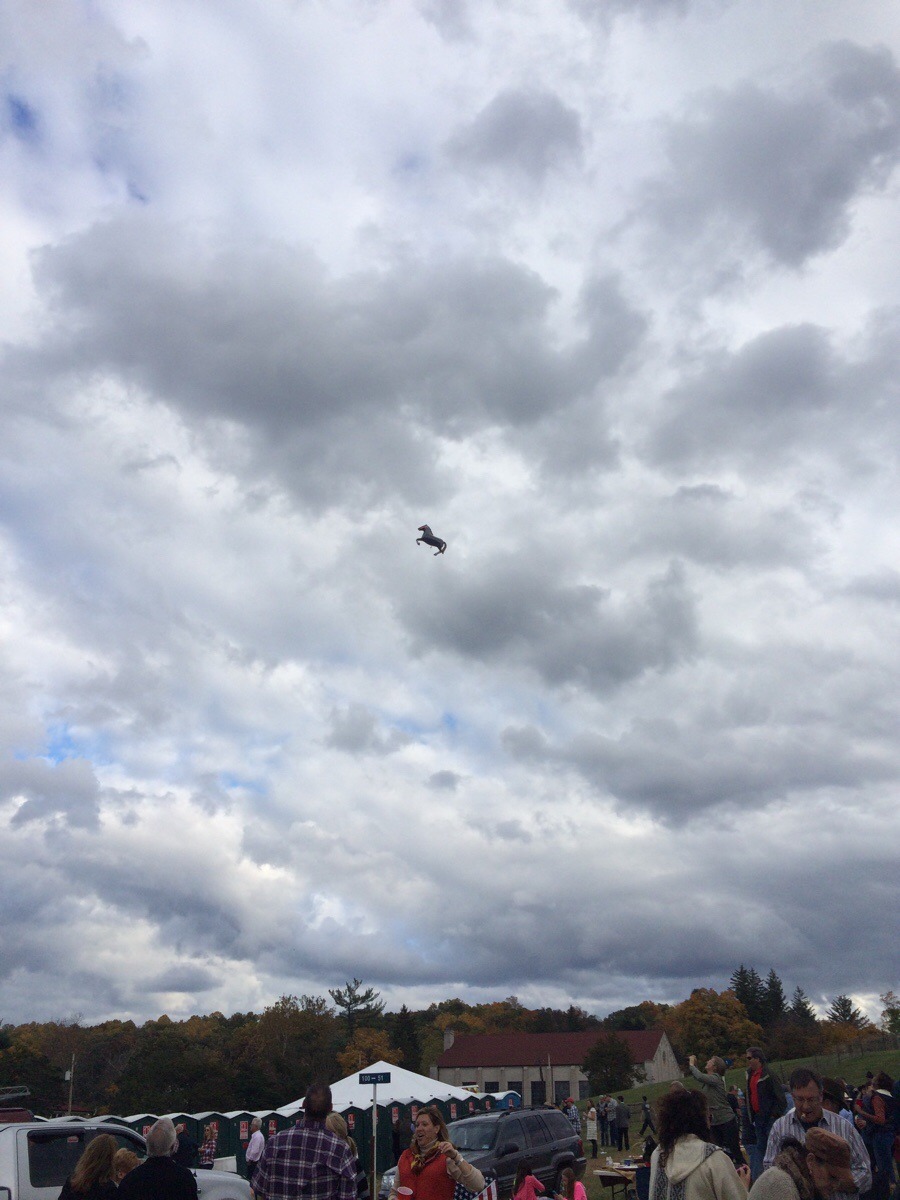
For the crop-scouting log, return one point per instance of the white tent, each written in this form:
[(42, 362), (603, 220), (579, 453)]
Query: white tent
[(404, 1086)]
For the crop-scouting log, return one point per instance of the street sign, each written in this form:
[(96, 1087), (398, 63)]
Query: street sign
[(374, 1077)]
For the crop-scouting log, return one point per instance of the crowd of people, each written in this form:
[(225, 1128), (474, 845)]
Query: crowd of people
[(816, 1139)]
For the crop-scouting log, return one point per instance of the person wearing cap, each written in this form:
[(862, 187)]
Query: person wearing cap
[(809, 1114), (834, 1100), (817, 1170)]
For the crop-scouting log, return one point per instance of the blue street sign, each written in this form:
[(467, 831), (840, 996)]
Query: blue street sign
[(374, 1077)]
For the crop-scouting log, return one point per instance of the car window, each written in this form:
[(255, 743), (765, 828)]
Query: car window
[(473, 1135), (53, 1153), (540, 1131), (560, 1126), (513, 1131)]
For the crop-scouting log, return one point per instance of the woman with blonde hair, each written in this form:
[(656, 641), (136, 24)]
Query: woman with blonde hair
[(432, 1166), (338, 1126), (94, 1174), (208, 1148)]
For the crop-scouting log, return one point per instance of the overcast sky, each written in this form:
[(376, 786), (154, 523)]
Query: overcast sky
[(606, 292)]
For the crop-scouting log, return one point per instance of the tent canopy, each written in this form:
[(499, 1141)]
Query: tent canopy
[(404, 1086)]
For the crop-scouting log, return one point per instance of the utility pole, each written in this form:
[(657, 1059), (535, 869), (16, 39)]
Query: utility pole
[(71, 1074)]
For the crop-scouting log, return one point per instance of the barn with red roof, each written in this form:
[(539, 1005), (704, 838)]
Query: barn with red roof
[(543, 1066)]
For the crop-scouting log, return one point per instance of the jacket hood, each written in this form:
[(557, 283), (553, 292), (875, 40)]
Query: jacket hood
[(686, 1156)]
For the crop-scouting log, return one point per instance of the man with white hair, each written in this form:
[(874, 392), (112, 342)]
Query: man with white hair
[(255, 1148), (159, 1177)]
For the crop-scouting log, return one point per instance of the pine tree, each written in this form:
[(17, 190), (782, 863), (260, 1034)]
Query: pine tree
[(774, 1001), (357, 1005), (750, 991), (801, 1009), (842, 1012), (406, 1039)]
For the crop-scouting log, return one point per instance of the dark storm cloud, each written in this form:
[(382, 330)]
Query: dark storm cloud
[(340, 382), (528, 131), (183, 978), (784, 168), (787, 394), (518, 613)]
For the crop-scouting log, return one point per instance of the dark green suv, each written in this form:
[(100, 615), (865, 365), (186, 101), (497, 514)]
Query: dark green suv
[(497, 1142)]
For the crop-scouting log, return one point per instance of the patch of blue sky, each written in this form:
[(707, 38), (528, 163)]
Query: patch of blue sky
[(450, 722), (406, 725), (63, 744), (22, 119), (229, 782)]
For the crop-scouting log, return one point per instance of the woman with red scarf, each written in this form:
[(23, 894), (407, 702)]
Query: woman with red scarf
[(432, 1166)]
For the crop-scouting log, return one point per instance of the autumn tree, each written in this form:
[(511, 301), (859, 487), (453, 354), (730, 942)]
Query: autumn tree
[(294, 1042), (22, 1066), (609, 1065), (709, 1023), (645, 1015), (365, 1047)]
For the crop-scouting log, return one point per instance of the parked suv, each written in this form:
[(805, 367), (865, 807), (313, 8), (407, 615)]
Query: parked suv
[(497, 1142)]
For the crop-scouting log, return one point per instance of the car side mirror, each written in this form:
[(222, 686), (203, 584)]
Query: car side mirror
[(509, 1148)]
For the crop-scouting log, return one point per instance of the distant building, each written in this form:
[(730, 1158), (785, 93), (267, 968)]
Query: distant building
[(543, 1067)]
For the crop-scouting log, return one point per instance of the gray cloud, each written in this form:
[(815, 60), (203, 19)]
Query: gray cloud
[(67, 790), (340, 384), (183, 978), (570, 634), (528, 131), (783, 168), (355, 730), (447, 781), (783, 395)]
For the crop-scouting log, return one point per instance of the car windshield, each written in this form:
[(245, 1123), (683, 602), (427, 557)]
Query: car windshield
[(473, 1135)]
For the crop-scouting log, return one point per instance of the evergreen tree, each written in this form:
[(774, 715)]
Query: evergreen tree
[(774, 1001), (842, 1012), (890, 1014), (750, 991), (609, 1065), (801, 1010), (357, 1005), (406, 1039)]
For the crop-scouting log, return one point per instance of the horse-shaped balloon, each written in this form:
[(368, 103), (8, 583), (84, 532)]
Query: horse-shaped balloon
[(430, 540)]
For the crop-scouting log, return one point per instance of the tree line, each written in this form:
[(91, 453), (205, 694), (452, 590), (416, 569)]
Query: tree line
[(263, 1060)]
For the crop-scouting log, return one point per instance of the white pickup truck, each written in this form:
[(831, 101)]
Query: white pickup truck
[(36, 1158)]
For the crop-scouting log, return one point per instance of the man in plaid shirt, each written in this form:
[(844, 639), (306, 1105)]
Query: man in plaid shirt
[(307, 1162)]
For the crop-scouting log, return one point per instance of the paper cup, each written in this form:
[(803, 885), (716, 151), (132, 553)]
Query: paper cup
[(405, 1192)]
